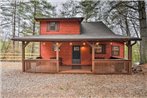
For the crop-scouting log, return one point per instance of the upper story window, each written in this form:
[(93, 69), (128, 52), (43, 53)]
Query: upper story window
[(115, 50), (52, 26), (100, 49)]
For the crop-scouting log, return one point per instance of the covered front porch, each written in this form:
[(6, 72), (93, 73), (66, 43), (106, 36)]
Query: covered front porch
[(97, 65)]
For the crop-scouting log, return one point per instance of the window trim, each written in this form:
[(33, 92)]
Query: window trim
[(103, 49), (113, 54), (48, 26)]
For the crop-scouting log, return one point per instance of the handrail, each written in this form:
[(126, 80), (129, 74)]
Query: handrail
[(111, 60), (41, 60)]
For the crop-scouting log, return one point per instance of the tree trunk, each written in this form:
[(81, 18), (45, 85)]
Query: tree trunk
[(14, 25), (127, 27), (34, 25), (143, 31)]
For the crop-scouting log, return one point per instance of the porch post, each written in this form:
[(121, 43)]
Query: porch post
[(57, 45), (57, 57), (129, 50), (93, 55), (93, 58), (23, 56), (24, 44), (130, 55)]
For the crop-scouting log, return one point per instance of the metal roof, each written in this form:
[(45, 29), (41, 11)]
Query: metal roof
[(90, 31), (60, 18)]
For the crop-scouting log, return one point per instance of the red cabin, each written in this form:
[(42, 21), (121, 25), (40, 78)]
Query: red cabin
[(68, 45)]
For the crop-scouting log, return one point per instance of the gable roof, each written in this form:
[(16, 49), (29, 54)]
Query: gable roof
[(97, 29), (90, 31)]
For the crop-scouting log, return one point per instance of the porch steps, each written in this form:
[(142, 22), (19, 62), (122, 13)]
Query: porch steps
[(76, 71)]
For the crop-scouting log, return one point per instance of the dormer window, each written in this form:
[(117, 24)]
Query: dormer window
[(53, 26)]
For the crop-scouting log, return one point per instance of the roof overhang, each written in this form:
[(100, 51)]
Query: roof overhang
[(42, 38), (80, 19)]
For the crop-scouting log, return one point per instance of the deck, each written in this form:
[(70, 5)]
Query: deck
[(101, 66)]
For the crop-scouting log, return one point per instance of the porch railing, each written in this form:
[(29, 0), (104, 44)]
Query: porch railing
[(41, 65), (101, 66), (112, 66)]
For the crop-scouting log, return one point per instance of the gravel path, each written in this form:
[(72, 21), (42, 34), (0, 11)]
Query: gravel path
[(16, 84)]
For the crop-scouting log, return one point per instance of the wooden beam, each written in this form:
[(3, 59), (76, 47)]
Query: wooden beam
[(93, 46), (134, 43), (129, 50), (25, 44), (57, 54), (130, 56), (57, 58), (23, 56), (89, 44), (93, 58)]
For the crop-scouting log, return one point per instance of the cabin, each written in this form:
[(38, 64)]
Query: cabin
[(69, 45)]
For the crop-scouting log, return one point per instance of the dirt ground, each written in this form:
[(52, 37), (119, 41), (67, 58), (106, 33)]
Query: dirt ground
[(17, 84)]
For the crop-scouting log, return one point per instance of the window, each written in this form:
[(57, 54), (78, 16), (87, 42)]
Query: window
[(53, 26), (115, 50), (100, 49), (76, 48)]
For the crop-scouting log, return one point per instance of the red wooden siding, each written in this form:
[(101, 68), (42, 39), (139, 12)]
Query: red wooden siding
[(66, 52), (65, 27), (107, 54), (86, 56)]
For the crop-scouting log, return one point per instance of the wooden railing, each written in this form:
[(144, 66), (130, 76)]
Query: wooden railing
[(112, 66), (41, 65), (16, 56)]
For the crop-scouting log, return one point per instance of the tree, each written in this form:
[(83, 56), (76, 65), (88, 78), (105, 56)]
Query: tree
[(23, 14), (122, 16), (134, 19), (69, 9), (88, 8), (143, 30), (7, 15)]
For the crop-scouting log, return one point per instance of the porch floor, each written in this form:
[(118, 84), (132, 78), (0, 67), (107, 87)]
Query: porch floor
[(68, 68), (77, 71)]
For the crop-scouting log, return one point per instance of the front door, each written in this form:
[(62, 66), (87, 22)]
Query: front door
[(76, 56)]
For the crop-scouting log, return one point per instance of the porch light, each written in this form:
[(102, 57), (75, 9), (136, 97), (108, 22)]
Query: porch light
[(70, 43), (43, 43), (97, 43), (84, 43), (111, 43), (57, 43), (83, 48)]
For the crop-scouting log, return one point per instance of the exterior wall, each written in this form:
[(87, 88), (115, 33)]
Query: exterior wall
[(65, 27), (66, 52), (86, 54), (107, 54), (46, 50)]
